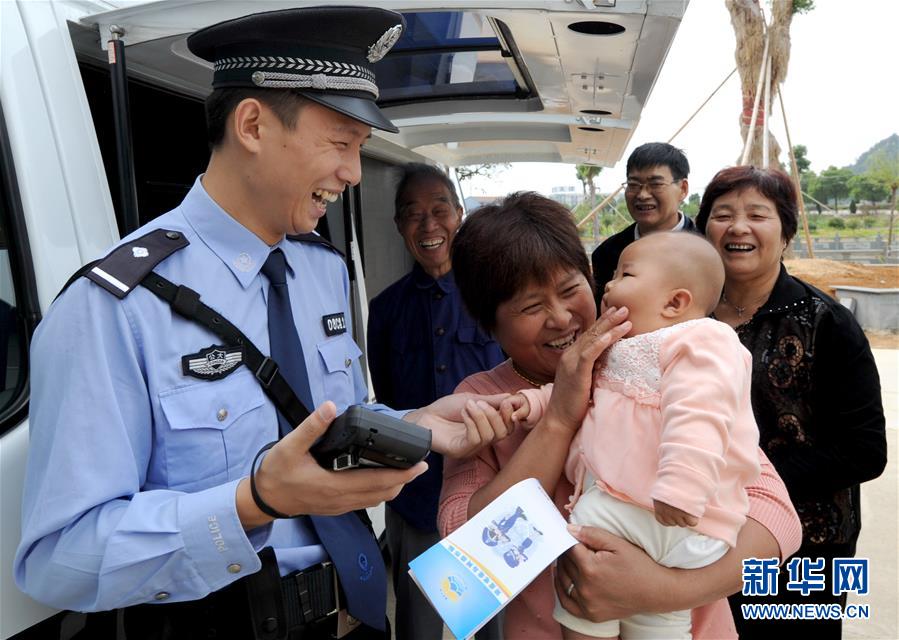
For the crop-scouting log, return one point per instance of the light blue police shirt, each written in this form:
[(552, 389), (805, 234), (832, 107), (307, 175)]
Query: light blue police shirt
[(133, 467)]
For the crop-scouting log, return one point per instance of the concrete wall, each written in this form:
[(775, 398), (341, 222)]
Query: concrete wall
[(873, 308)]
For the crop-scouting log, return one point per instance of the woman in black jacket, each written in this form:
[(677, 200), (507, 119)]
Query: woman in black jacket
[(815, 388)]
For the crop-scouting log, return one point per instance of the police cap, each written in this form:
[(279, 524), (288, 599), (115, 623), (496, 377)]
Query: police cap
[(324, 53)]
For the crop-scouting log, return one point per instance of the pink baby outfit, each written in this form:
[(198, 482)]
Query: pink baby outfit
[(529, 615), (672, 421)]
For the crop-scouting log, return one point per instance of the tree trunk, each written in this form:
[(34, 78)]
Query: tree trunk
[(749, 28), (892, 216)]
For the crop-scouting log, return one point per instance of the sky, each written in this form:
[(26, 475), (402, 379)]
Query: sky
[(840, 95)]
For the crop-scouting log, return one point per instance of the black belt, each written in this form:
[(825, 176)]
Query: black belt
[(261, 606)]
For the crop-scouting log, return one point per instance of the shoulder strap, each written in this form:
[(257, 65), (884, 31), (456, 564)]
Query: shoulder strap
[(132, 263), (127, 265), (186, 303), (84, 269)]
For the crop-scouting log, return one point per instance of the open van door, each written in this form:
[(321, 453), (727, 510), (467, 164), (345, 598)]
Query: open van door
[(468, 83)]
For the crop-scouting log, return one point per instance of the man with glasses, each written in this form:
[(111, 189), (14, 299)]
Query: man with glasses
[(422, 343), (656, 185)]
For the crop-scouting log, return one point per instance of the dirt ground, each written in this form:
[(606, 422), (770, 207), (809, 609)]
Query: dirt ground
[(826, 273)]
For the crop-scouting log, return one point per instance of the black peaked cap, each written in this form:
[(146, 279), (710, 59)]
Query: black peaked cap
[(324, 53)]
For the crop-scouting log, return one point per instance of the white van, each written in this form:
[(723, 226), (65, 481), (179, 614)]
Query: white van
[(470, 82)]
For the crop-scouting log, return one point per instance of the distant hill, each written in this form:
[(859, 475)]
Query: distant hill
[(891, 145)]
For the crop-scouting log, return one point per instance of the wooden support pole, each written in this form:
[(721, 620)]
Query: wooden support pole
[(608, 199), (795, 169)]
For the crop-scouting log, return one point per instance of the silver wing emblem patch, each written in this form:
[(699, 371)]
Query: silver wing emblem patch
[(212, 363)]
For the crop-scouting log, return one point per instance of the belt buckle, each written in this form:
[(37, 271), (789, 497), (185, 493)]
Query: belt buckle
[(316, 593)]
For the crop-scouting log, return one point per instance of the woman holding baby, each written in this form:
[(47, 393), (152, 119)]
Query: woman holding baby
[(524, 275)]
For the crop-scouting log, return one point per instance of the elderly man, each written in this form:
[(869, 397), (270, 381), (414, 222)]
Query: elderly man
[(150, 486), (422, 343), (656, 185)]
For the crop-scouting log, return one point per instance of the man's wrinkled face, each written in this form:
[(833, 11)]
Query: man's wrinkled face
[(428, 220)]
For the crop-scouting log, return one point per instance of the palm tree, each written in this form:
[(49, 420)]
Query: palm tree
[(587, 174)]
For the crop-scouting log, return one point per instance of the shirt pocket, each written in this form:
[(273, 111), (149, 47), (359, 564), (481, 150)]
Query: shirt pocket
[(338, 354), (211, 428)]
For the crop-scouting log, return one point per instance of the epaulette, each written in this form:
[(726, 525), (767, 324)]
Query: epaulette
[(124, 268), (314, 238)]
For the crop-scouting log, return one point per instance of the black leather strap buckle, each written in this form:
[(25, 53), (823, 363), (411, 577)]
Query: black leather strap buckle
[(310, 595), (267, 372)]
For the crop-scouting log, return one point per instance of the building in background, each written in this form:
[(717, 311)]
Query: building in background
[(567, 195)]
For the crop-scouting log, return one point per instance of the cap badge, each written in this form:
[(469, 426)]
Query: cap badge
[(379, 49)]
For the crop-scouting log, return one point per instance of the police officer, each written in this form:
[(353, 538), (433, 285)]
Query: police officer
[(144, 425)]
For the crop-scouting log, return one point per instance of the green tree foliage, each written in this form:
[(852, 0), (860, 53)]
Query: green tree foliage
[(833, 183), (691, 206), (484, 170), (868, 188), (884, 166), (800, 152), (803, 6), (587, 174)]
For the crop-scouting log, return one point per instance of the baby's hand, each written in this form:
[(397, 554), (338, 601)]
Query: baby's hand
[(515, 410), (672, 516)]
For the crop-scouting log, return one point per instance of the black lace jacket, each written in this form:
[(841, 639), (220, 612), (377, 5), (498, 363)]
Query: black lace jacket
[(816, 398)]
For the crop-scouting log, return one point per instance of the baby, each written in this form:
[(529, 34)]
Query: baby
[(670, 442)]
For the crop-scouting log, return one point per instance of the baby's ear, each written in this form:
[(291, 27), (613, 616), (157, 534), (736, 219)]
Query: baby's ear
[(679, 302)]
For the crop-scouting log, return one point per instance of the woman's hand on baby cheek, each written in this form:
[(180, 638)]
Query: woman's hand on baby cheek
[(575, 373)]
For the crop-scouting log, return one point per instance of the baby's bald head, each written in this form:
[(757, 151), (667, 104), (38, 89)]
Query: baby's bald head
[(690, 262)]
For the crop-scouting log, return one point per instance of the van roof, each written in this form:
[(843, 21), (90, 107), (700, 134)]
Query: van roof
[(469, 82)]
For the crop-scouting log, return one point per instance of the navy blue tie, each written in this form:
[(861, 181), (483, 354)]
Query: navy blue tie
[(347, 540)]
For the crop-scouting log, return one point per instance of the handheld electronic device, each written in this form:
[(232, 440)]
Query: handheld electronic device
[(361, 437)]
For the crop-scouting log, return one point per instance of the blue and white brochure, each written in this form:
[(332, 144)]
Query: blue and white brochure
[(470, 575)]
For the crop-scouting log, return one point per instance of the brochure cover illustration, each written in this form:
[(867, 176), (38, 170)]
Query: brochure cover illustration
[(472, 573)]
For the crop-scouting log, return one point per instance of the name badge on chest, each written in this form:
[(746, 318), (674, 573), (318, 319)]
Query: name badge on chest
[(334, 324)]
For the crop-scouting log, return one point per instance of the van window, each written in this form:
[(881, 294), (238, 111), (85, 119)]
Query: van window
[(18, 307)]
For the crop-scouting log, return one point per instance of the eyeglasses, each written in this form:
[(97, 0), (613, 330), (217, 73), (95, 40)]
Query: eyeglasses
[(653, 186)]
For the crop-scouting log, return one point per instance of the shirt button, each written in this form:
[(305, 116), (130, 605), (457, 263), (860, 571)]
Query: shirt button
[(441, 368), (221, 415), (438, 295), (439, 331), (162, 595), (347, 363), (234, 568)]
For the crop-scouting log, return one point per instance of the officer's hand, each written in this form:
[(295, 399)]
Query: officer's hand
[(290, 480), (462, 423)]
